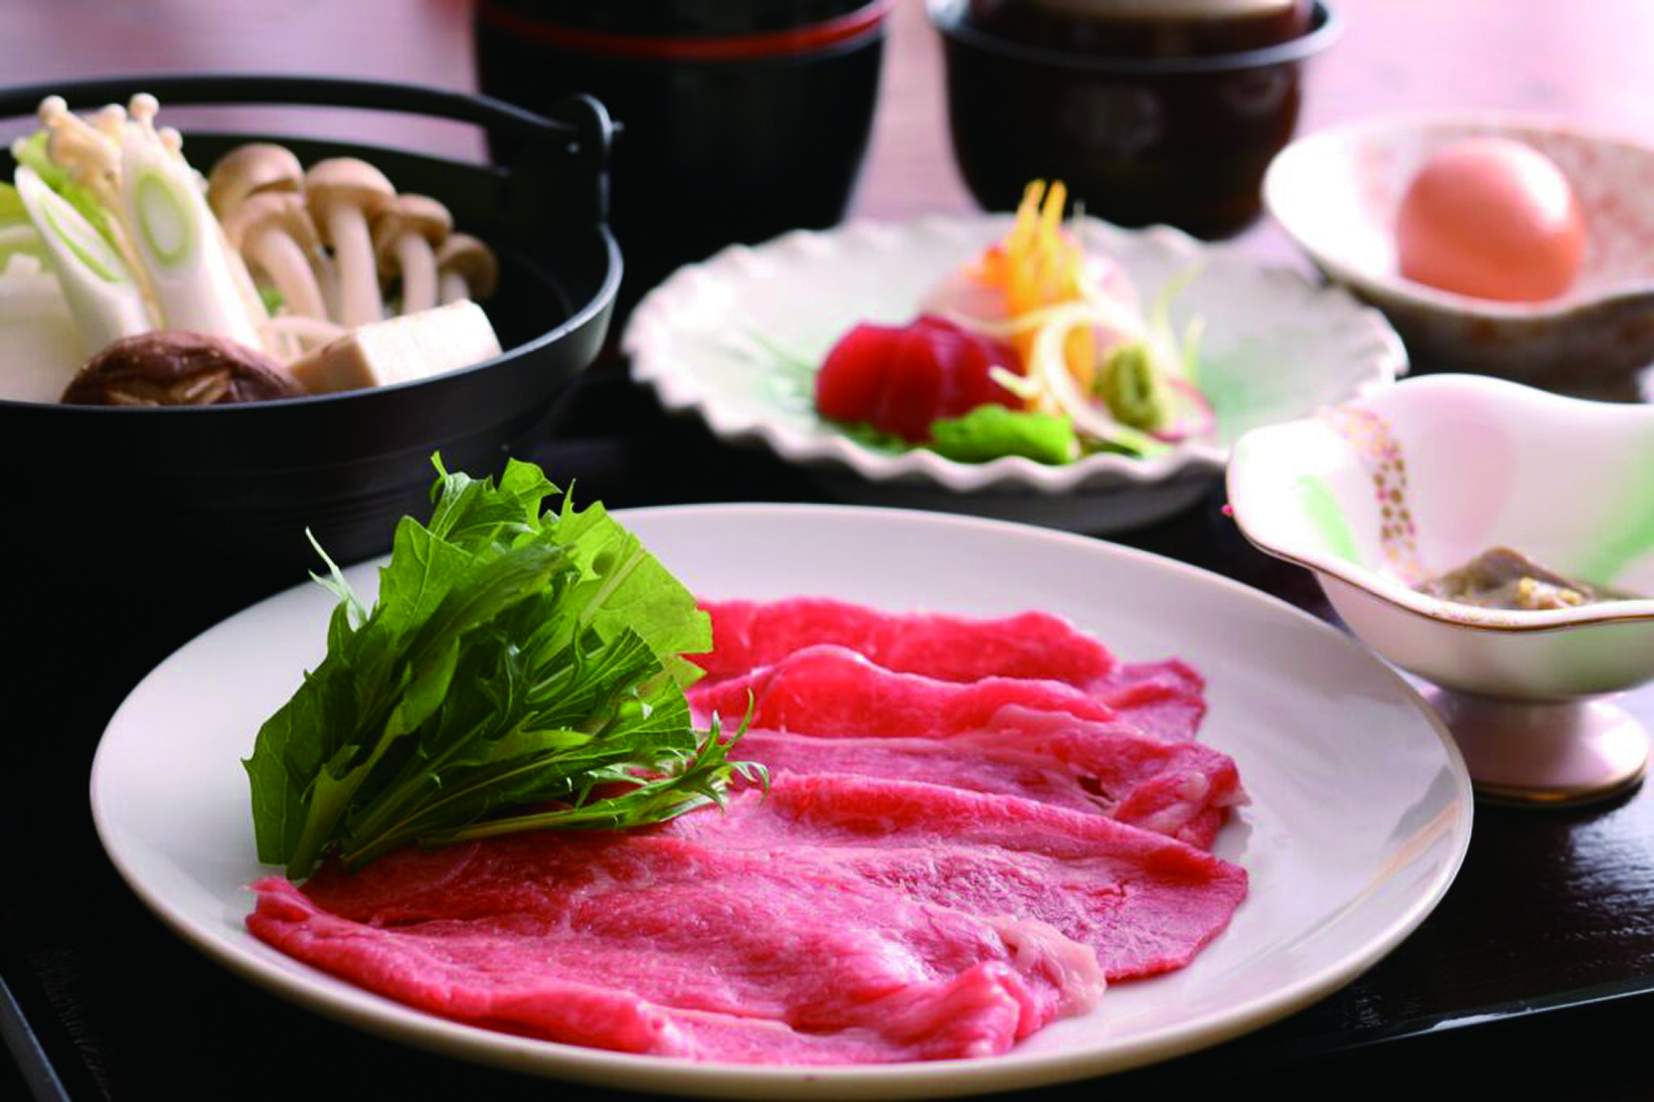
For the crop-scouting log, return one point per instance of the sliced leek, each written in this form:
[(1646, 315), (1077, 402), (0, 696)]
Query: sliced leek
[(106, 302), (176, 238)]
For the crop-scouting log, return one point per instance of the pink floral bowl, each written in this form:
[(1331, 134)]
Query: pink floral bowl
[(1336, 193), (1381, 494)]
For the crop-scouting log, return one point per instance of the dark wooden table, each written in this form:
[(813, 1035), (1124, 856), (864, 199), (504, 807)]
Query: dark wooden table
[(1535, 975)]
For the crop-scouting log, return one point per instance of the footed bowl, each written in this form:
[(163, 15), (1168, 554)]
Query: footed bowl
[(1379, 495)]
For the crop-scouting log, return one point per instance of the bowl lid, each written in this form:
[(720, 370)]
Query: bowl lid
[(951, 17), (725, 31)]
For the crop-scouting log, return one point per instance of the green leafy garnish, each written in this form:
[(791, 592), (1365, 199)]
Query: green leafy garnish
[(990, 431), (869, 437), (519, 671)]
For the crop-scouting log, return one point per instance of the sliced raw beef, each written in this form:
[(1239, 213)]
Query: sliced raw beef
[(1146, 903), (1165, 699), (648, 943), (1181, 790), (832, 690), (749, 634), (969, 825)]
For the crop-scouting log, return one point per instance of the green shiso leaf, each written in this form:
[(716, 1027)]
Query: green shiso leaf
[(990, 431), (520, 670), (869, 437)]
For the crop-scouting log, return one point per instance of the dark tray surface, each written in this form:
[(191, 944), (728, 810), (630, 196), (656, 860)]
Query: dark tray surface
[(1534, 970)]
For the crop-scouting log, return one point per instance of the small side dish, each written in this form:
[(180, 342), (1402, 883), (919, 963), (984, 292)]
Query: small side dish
[(1034, 348), (149, 285), (737, 341), (1409, 506)]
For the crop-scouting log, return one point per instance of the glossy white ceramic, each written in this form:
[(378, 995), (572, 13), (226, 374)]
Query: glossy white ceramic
[(1336, 193), (732, 341), (1360, 811), (1377, 495)]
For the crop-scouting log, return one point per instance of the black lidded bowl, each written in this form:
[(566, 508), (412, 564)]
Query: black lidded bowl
[(134, 524), (1181, 139), (738, 119)]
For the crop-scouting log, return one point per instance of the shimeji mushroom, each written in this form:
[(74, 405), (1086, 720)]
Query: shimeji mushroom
[(249, 170), (255, 169), (273, 232), (405, 232), (466, 268), (343, 194)]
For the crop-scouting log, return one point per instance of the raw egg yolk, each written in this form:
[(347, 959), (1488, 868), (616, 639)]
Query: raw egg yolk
[(1493, 218)]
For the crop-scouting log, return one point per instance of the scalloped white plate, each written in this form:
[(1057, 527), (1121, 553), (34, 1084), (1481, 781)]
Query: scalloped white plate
[(1360, 815), (1276, 348)]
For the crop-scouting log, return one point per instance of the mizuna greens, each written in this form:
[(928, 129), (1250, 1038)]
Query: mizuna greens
[(518, 671)]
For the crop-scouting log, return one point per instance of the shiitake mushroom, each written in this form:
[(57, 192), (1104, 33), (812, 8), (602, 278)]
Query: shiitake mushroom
[(178, 368)]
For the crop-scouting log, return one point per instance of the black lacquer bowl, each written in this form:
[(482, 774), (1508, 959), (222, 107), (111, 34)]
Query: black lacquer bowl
[(231, 490), (1139, 140), (739, 120)]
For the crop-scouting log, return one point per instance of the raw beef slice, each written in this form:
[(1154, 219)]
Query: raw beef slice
[(1182, 790), (1042, 740), (829, 689), (653, 944), (749, 634), (1146, 903), (1165, 699)]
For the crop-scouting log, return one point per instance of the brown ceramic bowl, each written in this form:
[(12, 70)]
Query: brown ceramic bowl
[(1150, 137)]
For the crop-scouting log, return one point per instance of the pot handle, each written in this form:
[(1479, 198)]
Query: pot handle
[(535, 150)]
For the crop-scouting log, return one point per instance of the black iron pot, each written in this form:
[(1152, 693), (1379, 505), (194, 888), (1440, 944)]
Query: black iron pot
[(132, 528), (241, 484)]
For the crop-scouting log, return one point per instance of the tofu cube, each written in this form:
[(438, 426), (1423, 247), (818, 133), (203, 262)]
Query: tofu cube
[(400, 350)]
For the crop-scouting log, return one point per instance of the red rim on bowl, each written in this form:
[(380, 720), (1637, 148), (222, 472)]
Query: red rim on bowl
[(764, 44), (1324, 27)]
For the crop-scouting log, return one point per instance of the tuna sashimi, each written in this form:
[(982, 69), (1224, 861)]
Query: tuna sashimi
[(1146, 903), (649, 943), (749, 634), (899, 379), (827, 689), (1182, 790)]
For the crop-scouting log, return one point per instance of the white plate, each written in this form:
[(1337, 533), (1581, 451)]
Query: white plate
[(1360, 817), (1275, 348)]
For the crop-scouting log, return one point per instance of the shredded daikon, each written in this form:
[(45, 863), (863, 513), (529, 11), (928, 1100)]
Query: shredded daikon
[(1085, 342)]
